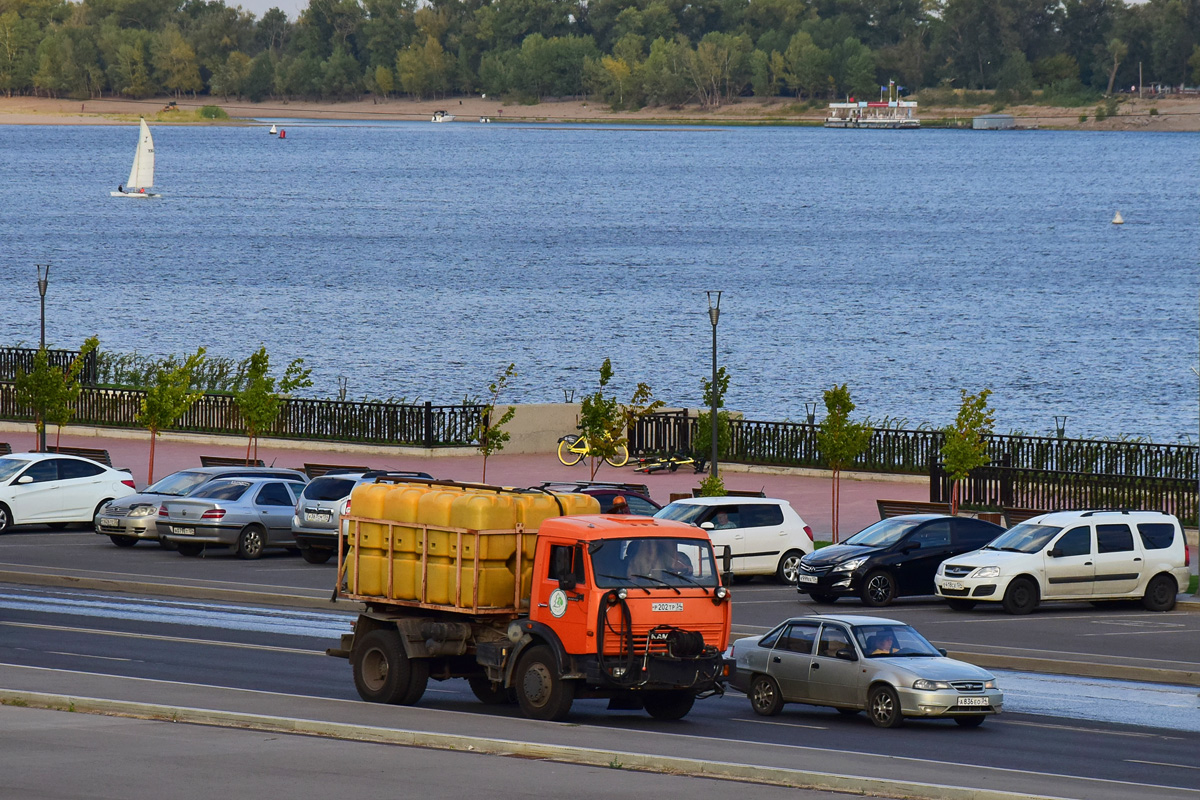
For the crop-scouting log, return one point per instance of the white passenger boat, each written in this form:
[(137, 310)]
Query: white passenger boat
[(442, 116), (863, 114), (141, 175)]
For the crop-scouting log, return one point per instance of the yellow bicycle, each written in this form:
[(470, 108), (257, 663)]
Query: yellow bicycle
[(573, 448)]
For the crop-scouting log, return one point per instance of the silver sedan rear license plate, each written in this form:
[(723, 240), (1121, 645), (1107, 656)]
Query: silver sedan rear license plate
[(972, 701), (180, 531), (802, 578)]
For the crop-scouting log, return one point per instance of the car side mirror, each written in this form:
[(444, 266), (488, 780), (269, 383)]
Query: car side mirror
[(567, 583), (708, 526), (1054, 552), (910, 546), (726, 564), (846, 654), (942, 650), (25, 479)]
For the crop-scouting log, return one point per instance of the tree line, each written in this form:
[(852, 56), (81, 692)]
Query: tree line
[(629, 53)]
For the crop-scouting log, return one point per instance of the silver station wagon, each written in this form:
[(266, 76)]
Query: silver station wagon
[(857, 663), (247, 514)]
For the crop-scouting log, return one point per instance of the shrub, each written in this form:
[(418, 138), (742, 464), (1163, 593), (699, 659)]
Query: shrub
[(1154, 112), (1101, 113), (712, 486), (212, 112), (1083, 117)]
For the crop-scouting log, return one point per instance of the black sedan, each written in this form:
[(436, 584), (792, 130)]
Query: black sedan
[(895, 556)]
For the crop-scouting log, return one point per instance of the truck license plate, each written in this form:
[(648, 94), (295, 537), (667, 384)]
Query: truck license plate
[(956, 585), (178, 531), (666, 606)]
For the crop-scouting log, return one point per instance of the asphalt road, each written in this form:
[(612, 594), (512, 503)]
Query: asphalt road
[(270, 661), (1069, 636)]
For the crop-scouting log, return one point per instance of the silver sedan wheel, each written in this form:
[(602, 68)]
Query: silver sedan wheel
[(251, 543)]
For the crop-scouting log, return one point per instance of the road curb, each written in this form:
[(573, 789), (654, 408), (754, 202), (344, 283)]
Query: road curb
[(1081, 669), (176, 590), (780, 776)]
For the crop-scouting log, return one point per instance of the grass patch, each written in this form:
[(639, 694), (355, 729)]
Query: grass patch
[(212, 112), (1193, 584)]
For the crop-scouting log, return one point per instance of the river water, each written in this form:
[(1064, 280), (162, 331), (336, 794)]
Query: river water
[(418, 259)]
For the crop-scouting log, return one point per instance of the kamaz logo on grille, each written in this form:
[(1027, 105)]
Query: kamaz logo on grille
[(666, 606)]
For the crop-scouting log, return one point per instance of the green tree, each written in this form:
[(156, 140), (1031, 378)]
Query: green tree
[(807, 66), (702, 447), (18, 52), (840, 440), (965, 447), (171, 392), (1194, 64), (175, 62), (230, 79), (39, 389), (490, 433), (385, 81), (1117, 50), (605, 421), (260, 397), (66, 403)]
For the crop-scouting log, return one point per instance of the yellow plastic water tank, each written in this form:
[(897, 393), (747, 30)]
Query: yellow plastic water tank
[(401, 504), (434, 509), (484, 511)]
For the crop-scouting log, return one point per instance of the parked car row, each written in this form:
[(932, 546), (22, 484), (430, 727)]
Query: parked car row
[(1093, 555)]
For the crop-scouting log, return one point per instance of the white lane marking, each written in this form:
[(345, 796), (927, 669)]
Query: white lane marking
[(192, 583), (86, 655), (1161, 763), (558, 727), (987, 647), (1138, 633), (1131, 734), (179, 639), (783, 724)]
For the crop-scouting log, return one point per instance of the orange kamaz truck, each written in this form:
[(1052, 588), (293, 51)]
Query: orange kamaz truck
[(532, 597)]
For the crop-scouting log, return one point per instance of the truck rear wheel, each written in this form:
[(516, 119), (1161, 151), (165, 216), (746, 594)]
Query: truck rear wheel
[(540, 691), (668, 705), (384, 674)]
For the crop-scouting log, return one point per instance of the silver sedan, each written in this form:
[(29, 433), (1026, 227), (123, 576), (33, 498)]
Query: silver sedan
[(247, 514), (856, 663)]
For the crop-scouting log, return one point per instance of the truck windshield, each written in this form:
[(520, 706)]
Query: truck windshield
[(653, 561)]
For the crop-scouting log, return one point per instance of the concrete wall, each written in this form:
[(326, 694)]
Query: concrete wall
[(537, 427)]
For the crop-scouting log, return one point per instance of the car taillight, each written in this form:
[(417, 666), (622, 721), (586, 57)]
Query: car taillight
[(808, 530), (129, 482), (213, 513), (346, 508), (162, 511)]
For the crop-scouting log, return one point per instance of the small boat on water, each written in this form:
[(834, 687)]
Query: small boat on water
[(273, 130), (442, 116), (898, 114), (141, 174)]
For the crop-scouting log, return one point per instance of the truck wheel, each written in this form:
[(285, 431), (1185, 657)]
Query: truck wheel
[(491, 694), (316, 555), (540, 691), (669, 705), (382, 672)]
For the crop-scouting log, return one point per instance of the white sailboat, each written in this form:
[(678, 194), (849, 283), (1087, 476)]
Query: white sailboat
[(141, 174)]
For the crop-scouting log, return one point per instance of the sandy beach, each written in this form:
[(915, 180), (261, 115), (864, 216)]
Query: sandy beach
[(1173, 114)]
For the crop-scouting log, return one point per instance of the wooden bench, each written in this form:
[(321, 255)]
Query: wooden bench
[(83, 452), (1015, 516), (895, 508), (226, 461), (317, 470)]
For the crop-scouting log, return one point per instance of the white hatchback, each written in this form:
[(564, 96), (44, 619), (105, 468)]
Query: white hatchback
[(53, 488), (765, 536), (1073, 555)]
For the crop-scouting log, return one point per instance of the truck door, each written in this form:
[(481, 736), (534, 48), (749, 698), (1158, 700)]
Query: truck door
[(564, 594)]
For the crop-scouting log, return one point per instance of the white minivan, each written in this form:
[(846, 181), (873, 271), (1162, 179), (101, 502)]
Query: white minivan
[(765, 536), (1073, 555)]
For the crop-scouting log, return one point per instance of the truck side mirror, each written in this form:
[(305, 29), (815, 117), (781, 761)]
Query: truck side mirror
[(567, 583)]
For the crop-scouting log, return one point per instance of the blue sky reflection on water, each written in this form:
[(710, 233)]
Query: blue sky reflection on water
[(418, 259)]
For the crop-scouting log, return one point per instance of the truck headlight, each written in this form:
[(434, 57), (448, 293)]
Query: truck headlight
[(849, 566), (986, 572), (929, 686)]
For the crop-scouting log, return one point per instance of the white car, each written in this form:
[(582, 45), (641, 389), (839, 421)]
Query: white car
[(53, 488), (765, 536), (1073, 555)]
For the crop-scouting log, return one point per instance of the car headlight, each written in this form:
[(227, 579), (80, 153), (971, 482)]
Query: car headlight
[(989, 684), (849, 566), (143, 511), (929, 686), (986, 572)]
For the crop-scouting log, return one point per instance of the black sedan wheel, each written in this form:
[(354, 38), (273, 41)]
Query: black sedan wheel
[(765, 697), (883, 707), (878, 589), (820, 597)]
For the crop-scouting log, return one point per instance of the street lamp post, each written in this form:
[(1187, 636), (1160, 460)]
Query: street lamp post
[(43, 281), (811, 410), (1060, 425), (714, 315)]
